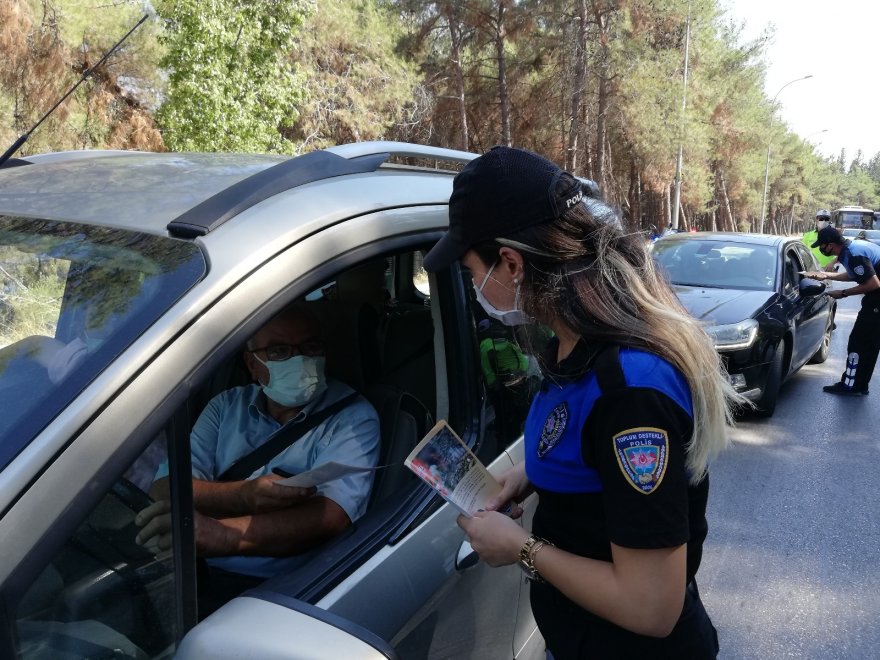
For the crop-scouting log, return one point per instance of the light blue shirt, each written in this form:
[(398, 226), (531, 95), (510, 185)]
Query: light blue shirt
[(235, 422)]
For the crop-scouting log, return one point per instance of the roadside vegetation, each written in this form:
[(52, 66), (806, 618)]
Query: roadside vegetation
[(596, 85)]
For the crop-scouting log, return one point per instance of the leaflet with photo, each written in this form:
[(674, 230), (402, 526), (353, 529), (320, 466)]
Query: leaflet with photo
[(445, 463)]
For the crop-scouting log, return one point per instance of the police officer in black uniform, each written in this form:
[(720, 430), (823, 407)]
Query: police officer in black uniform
[(861, 262), (617, 441)]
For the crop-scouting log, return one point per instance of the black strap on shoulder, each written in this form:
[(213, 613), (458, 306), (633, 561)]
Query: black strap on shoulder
[(609, 376), (281, 440), (609, 373)]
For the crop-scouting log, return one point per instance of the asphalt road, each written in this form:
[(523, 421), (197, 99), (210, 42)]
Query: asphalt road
[(791, 567)]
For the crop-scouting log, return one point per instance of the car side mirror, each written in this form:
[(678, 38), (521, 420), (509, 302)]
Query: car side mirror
[(809, 287)]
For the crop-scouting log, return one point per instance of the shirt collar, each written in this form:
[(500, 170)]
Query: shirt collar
[(574, 365), (257, 405)]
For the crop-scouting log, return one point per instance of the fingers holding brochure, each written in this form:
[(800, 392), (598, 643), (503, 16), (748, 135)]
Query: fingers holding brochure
[(515, 487), (495, 537)]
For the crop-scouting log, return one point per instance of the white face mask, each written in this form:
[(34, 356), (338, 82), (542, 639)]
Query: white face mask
[(295, 381), (513, 316)]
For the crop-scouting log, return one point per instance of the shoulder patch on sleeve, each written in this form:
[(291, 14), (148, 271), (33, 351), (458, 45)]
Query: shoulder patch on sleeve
[(642, 455)]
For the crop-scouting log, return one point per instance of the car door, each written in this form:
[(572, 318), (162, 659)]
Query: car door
[(403, 578), (405, 574), (809, 314), (437, 600)]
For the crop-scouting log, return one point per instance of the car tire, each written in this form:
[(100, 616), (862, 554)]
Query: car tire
[(766, 405), (825, 347)]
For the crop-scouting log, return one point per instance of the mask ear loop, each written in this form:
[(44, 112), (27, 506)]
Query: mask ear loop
[(486, 278)]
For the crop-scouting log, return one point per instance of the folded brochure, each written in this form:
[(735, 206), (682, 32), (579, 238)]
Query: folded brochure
[(446, 464)]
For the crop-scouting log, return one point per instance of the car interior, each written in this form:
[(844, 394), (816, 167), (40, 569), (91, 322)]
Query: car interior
[(102, 590), (378, 343)]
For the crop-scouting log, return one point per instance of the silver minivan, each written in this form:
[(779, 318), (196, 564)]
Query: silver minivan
[(129, 284)]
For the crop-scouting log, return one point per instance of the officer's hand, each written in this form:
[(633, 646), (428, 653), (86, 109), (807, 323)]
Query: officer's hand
[(494, 536), (515, 487), (262, 494)]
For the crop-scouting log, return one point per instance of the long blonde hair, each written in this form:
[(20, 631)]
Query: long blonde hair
[(602, 283)]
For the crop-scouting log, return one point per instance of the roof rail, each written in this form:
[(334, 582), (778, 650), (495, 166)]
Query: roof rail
[(402, 149), (355, 158), (14, 162), (286, 175)]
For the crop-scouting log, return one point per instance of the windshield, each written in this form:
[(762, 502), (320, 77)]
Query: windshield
[(717, 264), (857, 219), (72, 297)]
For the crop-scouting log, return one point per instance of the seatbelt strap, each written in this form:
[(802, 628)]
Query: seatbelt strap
[(281, 440)]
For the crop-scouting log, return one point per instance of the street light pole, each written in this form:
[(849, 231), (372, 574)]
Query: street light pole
[(676, 202), (769, 142)]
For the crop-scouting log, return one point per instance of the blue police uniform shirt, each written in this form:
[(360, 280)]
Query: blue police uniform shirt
[(235, 422), (861, 259), (617, 458), (609, 466)]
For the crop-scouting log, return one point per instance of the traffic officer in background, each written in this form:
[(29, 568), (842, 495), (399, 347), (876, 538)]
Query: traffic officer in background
[(823, 219), (861, 262)]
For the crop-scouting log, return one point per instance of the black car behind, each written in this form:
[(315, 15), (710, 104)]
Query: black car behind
[(767, 320)]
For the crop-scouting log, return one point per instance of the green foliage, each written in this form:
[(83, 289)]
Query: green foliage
[(357, 87), (596, 84), (231, 86)]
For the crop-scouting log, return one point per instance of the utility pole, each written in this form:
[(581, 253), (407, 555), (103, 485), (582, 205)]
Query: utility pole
[(676, 202)]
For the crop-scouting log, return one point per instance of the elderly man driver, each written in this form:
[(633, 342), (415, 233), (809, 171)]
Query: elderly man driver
[(252, 526)]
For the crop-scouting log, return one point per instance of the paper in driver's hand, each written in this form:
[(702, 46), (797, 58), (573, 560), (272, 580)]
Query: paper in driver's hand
[(322, 474), (446, 464)]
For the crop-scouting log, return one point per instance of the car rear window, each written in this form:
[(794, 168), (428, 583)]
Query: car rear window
[(72, 297)]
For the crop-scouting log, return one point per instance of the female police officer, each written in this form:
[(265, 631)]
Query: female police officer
[(617, 442)]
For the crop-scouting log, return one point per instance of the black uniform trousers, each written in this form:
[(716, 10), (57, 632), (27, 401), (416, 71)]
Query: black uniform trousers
[(863, 345)]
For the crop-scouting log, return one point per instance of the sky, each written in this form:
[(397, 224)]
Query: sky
[(835, 42)]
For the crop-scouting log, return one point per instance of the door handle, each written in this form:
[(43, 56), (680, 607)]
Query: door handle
[(467, 557)]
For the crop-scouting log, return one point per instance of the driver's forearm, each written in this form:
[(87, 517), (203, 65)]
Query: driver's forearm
[(275, 534), (218, 499)]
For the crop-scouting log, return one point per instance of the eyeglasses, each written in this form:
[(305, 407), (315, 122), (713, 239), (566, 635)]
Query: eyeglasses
[(281, 352)]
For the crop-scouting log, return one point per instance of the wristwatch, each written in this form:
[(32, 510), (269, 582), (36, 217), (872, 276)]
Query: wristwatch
[(527, 556)]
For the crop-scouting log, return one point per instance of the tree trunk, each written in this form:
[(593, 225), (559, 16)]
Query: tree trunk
[(635, 196), (602, 101), (455, 41), (503, 97), (667, 207), (580, 83), (726, 199)]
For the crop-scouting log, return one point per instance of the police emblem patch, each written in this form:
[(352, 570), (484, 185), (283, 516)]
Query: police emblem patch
[(554, 427), (859, 270), (642, 455)]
